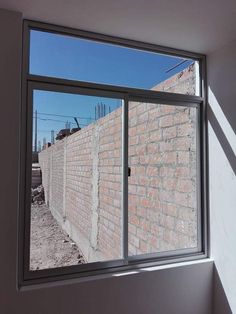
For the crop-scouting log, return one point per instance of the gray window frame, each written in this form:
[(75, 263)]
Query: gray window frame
[(31, 82)]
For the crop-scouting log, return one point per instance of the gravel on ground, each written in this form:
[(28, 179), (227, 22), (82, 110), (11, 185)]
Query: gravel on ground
[(50, 246)]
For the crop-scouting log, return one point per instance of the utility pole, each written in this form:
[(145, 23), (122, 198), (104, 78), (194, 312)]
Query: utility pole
[(39, 146), (52, 137), (99, 115), (76, 121), (44, 142), (35, 131), (102, 110)]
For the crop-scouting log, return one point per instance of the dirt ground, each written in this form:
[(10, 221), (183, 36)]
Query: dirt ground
[(50, 246)]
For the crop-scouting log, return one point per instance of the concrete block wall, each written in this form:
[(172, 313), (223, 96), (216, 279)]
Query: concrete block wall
[(82, 180)]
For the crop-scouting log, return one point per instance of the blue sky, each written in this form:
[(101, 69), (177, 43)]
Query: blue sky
[(55, 109), (79, 59)]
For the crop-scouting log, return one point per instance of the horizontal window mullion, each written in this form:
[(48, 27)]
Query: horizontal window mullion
[(132, 93)]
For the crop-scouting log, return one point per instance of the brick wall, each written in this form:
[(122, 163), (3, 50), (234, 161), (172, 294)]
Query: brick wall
[(82, 180), (78, 180), (109, 188), (162, 185), (183, 82)]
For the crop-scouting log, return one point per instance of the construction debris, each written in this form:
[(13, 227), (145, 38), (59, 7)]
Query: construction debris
[(37, 195), (50, 245)]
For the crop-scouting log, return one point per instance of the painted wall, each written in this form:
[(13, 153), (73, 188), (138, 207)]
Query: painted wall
[(222, 161), (188, 287)]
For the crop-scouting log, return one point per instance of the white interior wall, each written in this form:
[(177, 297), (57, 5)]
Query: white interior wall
[(199, 26), (222, 165), (182, 289)]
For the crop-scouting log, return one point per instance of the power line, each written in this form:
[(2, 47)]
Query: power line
[(60, 121), (45, 131), (177, 65), (54, 120), (64, 116)]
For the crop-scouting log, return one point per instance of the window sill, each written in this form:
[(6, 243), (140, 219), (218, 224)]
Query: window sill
[(115, 274)]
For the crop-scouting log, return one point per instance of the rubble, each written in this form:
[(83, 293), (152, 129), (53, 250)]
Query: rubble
[(37, 195), (50, 245)]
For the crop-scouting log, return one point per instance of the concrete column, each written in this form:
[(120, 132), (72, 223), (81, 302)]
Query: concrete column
[(64, 179), (95, 190), (50, 176)]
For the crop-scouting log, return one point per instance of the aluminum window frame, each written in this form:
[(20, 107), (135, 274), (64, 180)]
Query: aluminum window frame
[(31, 82)]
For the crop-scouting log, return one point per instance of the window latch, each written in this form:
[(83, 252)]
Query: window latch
[(129, 171)]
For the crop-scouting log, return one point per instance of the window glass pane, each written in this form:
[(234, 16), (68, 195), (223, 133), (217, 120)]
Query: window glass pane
[(76, 180), (162, 190), (86, 60)]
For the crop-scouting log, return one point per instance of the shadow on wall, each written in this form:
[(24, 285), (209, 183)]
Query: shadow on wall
[(222, 206), (222, 138), (222, 169), (224, 131), (220, 304), (222, 83), (222, 95)]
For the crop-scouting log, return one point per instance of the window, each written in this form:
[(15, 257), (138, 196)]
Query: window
[(83, 59), (113, 157)]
